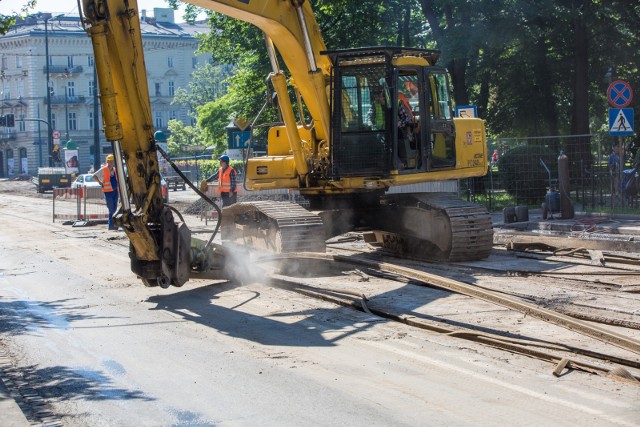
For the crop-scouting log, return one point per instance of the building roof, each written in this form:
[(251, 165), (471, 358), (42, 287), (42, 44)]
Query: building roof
[(71, 25)]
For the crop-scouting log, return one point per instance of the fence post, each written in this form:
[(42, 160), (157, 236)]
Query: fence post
[(566, 209)]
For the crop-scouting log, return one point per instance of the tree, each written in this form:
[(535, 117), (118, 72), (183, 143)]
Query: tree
[(208, 82), (182, 135), (7, 21)]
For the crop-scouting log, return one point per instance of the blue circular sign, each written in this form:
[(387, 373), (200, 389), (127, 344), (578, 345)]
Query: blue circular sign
[(619, 94)]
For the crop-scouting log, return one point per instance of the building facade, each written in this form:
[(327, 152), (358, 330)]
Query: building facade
[(70, 111)]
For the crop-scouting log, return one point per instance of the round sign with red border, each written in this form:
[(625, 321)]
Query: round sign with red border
[(619, 94), (56, 133)]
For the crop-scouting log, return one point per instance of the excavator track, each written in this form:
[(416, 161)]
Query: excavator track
[(433, 226), (281, 227)]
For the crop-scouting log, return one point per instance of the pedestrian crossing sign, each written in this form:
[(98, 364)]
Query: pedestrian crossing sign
[(621, 121)]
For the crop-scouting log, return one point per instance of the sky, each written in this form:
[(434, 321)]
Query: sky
[(70, 7)]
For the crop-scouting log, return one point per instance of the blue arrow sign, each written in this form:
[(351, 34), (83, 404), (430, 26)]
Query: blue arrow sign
[(621, 121), (240, 139)]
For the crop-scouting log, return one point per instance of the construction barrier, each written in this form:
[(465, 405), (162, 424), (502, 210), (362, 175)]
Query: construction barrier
[(79, 204), (208, 216)]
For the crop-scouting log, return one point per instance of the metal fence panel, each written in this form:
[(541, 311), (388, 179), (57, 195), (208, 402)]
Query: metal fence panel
[(522, 171)]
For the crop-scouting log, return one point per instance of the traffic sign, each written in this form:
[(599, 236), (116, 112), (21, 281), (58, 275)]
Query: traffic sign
[(240, 139), (56, 134), (620, 94), (621, 121), (466, 111)]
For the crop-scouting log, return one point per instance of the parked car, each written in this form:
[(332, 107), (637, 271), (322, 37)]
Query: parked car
[(85, 180)]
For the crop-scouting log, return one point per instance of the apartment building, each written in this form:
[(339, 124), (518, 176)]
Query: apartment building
[(71, 111)]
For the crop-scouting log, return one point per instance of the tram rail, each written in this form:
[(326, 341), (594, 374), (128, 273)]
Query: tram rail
[(533, 348)]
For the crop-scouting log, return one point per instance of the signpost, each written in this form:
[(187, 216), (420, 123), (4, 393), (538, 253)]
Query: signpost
[(56, 137), (466, 111), (621, 121), (619, 94)]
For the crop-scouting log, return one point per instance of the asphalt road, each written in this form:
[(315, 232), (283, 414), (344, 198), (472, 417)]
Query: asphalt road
[(102, 350)]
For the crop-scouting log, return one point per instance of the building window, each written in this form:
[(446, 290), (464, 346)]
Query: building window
[(194, 62), (4, 62), (159, 122), (172, 90), (92, 85), (73, 124), (53, 121), (20, 89), (22, 126), (71, 88), (170, 61), (7, 93), (90, 61), (18, 61), (90, 119), (172, 115), (70, 61), (158, 89)]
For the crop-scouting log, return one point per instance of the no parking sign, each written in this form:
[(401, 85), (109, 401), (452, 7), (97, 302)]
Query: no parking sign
[(619, 94)]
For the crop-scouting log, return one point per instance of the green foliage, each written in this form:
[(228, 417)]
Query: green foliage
[(532, 68), (7, 21), (522, 174), (208, 82), (213, 118), (181, 135), (208, 167)]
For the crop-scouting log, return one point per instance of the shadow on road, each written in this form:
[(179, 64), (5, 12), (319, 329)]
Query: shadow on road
[(19, 317), (198, 305)]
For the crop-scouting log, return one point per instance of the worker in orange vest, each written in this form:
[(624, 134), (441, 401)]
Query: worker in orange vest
[(106, 177), (227, 187)]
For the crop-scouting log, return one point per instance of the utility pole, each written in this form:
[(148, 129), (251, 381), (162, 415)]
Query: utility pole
[(96, 129), (47, 16), (67, 74)]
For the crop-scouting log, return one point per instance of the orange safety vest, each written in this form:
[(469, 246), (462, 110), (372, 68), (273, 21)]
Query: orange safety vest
[(224, 181), (106, 180), (404, 101)]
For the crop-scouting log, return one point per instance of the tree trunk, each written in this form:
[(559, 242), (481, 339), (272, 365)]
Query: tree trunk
[(579, 150), (458, 71)]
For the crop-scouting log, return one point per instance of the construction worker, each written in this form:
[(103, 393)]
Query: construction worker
[(226, 177), (106, 177)]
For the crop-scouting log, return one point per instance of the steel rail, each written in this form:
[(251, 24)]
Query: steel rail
[(609, 337), (514, 345)]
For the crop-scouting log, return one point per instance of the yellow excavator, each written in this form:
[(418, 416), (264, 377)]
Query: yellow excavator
[(375, 121)]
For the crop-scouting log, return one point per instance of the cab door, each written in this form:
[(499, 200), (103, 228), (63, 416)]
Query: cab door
[(441, 130)]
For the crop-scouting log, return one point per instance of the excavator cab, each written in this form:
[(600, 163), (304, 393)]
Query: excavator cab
[(391, 113)]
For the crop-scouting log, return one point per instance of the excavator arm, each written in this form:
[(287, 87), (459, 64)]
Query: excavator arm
[(160, 246), (291, 26)]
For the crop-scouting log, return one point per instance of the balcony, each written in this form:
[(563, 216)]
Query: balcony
[(63, 69), (6, 137), (62, 100)]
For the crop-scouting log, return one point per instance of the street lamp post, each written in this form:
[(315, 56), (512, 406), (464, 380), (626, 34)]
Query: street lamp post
[(47, 16), (67, 74)]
